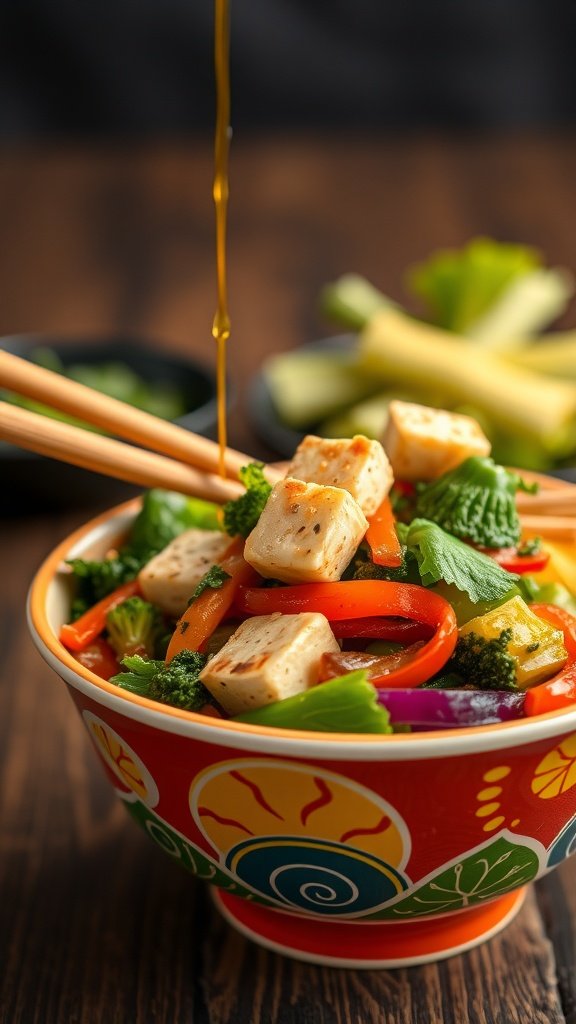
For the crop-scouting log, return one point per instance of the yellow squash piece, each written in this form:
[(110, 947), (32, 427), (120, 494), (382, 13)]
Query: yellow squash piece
[(537, 648)]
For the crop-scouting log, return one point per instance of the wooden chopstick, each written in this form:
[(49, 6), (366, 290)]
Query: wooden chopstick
[(105, 455), (555, 501), (115, 417), (554, 527)]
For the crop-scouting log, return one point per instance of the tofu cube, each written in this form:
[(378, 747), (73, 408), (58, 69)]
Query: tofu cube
[(357, 464), (423, 443), (170, 578), (268, 658), (306, 534)]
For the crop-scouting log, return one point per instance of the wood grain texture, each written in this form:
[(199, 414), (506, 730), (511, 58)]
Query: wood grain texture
[(96, 925)]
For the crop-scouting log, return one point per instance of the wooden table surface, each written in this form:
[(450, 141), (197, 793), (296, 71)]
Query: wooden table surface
[(96, 925)]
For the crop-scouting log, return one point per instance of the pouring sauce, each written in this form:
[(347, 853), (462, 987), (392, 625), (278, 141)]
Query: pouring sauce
[(221, 324)]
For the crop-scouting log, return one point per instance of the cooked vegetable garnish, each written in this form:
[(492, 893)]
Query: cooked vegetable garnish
[(537, 648), (241, 515), (360, 598), (214, 578), (559, 691), (134, 627), (77, 635), (163, 515), (298, 626), (382, 537), (443, 557), (176, 684), (346, 704), (205, 613), (479, 663), (448, 709), (476, 502)]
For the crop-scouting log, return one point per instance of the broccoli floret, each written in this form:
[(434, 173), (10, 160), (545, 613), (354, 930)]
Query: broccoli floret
[(134, 627), (213, 579), (242, 514), (479, 663), (176, 683), (363, 568), (475, 502), (96, 580)]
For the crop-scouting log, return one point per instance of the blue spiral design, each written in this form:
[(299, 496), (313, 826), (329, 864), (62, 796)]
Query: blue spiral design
[(564, 844), (317, 876)]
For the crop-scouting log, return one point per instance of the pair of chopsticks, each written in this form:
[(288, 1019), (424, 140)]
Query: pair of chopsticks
[(552, 511), (179, 460)]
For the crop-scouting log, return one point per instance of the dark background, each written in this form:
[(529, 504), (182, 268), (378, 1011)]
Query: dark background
[(144, 68)]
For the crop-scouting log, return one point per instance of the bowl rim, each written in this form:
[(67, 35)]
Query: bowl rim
[(344, 746)]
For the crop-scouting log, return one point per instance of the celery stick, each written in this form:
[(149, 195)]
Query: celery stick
[(307, 387), (401, 350), (352, 301), (554, 354), (528, 305)]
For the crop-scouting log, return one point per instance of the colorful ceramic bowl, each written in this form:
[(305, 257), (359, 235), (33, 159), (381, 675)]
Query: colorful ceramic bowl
[(339, 849)]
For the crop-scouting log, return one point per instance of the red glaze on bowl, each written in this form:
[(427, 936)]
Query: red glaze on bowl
[(360, 851)]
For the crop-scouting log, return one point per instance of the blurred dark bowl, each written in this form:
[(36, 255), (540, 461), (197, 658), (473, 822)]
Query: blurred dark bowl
[(32, 483)]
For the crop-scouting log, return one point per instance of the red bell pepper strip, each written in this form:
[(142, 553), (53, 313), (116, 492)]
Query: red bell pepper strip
[(376, 627), (563, 620), (382, 537), (555, 694), (509, 559), (560, 691), (363, 598), (205, 613), (375, 665), (99, 658), (77, 635)]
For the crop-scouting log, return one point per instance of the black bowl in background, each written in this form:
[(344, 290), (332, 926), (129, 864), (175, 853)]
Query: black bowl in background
[(31, 483)]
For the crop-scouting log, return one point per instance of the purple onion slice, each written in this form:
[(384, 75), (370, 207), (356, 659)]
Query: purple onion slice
[(450, 709)]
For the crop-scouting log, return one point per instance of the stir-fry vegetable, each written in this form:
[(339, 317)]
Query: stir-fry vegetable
[(333, 614)]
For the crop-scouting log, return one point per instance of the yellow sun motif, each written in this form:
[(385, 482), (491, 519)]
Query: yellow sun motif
[(556, 773), (124, 762), (237, 800)]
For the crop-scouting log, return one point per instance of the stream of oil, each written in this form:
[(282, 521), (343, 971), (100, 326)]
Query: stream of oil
[(221, 325)]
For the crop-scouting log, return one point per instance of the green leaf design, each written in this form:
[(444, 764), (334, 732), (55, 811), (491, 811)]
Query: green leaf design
[(488, 871), (182, 850)]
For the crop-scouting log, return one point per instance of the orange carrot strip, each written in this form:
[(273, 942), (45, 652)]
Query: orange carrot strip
[(77, 635), (205, 613), (382, 538)]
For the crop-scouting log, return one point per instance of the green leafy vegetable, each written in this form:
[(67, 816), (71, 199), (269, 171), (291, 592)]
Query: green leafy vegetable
[(458, 286), (443, 557), (476, 502), (214, 579), (134, 627), (95, 580), (163, 515), (242, 514), (176, 683), (484, 664), (345, 704)]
